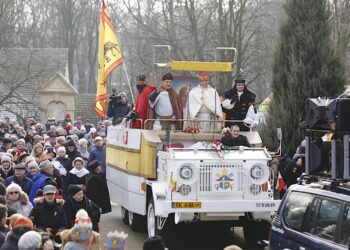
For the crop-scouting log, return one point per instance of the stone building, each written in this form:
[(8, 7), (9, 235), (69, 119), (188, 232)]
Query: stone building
[(33, 82)]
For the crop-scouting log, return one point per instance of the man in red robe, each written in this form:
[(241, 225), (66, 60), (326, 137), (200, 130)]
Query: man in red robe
[(141, 104)]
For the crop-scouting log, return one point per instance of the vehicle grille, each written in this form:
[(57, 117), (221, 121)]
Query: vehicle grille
[(206, 176)]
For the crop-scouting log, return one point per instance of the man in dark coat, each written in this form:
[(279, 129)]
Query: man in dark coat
[(72, 151), (97, 189), (118, 108), (47, 214), (98, 153), (75, 201), (235, 139), (237, 102)]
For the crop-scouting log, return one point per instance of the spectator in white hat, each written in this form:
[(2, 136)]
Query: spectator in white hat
[(6, 167)]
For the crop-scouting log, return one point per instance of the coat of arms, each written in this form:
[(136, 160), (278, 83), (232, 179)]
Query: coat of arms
[(224, 180)]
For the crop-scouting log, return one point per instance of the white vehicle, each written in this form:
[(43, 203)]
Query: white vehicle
[(161, 178)]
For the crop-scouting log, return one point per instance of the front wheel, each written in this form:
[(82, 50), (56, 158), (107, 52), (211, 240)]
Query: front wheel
[(151, 219)]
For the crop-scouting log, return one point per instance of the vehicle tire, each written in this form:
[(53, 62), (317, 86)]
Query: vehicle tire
[(137, 222), (167, 232), (125, 215), (255, 231)]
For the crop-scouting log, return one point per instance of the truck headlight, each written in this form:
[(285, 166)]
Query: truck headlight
[(184, 189), (259, 174), (186, 172)]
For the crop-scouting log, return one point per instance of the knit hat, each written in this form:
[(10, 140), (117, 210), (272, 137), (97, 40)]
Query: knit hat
[(93, 165), (82, 229), (67, 115), (23, 222), (50, 150), (70, 143), (33, 164), (167, 76), (45, 165), (61, 149), (6, 158), (154, 243), (30, 240), (78, 159), (73, 189)]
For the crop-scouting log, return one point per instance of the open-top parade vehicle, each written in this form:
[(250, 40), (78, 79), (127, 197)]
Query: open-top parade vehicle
[(165, 177)]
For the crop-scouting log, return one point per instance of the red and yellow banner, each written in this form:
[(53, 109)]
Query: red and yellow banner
[(109, 58)]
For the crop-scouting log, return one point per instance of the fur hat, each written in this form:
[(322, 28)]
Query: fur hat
[(29, 240), (93, 165), (73, 189), (61, 149)]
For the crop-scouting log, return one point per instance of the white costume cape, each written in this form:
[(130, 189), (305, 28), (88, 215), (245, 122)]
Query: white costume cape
[(203, 104)]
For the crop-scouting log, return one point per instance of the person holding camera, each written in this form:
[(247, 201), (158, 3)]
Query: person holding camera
[(118, 107)]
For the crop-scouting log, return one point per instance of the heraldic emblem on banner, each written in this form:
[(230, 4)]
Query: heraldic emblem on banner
[(224, 181)]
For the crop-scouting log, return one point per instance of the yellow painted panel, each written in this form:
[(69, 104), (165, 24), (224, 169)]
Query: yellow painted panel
[(201, 66), (123, 159), (147, 159)]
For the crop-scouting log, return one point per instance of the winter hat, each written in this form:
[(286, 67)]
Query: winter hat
[(82, 229), (68, 116), (154, 243), (70, 143), (240, 79), (93, 165), (115, 240), (33, 164), (61, 149), (6, 158), (23, 222), (50, 150), (2, 189), (82, 141), (29, 159), (45, 165), (167, 76), (30, 240), (78, 159), (73, 189)]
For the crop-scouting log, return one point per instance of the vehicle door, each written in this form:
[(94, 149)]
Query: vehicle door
[(286, 231)]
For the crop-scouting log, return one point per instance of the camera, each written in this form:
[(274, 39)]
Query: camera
[(114, 98), (44, 237)]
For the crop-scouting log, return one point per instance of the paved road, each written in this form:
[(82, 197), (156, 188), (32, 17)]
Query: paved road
[(194, 235)]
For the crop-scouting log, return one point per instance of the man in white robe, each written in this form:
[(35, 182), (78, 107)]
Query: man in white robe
[(203, 104)]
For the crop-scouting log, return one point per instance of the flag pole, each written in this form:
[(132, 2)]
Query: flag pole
[(128, 79)]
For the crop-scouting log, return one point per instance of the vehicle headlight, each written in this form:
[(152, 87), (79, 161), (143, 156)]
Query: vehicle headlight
[(184, 189), (186, 172), (259, 174)]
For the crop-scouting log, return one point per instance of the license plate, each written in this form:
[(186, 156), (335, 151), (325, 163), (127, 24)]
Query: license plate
[(186, 204)]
